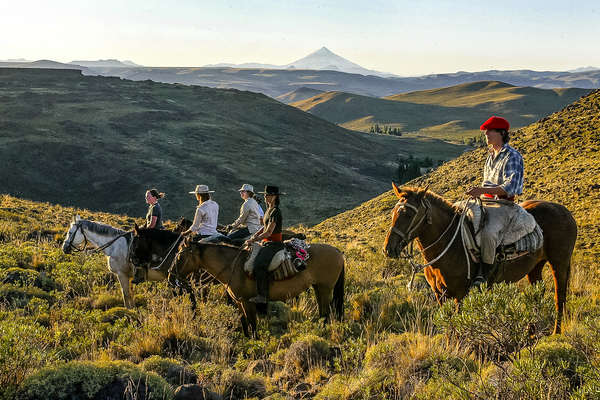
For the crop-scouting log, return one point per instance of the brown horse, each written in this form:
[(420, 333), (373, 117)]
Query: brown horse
[(324, 272), (424, 216)]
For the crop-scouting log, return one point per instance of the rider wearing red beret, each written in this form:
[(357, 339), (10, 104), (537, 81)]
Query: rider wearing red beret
[(502, 179)]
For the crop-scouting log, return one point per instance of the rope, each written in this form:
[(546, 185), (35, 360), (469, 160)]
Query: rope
[(159, 266), (416, 267), (109, 243)]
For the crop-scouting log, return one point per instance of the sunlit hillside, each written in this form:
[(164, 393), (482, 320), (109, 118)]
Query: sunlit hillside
[(65, 333)]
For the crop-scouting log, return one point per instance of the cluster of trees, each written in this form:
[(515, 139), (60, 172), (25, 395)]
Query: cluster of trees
[(411, 167), (385, 130), (476, 141)]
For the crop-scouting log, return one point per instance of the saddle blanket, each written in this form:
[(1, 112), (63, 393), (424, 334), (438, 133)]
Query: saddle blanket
[(283, 263), (518, 232)]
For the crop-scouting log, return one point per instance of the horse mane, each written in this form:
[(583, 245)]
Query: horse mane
[(158, 234), (434, 198), (101, 228)]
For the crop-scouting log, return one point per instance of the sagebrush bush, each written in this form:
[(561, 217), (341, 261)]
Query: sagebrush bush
[(499, 320), (19, 296), (170, 369), (24, 347), (95, 380)]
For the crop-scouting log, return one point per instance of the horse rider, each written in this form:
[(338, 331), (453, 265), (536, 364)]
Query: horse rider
[(502, 179), (272, 242), (249, 221), (207, 214), (154, 214)]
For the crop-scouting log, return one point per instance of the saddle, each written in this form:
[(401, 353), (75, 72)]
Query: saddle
[(285, 263), (520, 233)]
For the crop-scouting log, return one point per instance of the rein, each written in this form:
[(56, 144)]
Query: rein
[(78, 226)]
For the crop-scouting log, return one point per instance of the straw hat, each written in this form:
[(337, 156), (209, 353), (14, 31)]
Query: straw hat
[(201, 189), (246, 188)]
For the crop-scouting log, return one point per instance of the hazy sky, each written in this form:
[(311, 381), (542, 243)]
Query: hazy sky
[(403, 37)]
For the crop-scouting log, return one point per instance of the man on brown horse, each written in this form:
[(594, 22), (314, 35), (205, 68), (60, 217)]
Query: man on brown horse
[(502, 179)]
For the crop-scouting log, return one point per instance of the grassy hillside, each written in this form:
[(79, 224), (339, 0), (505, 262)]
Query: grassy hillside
[(298, 94), (63, 330), (451, 113), (98, 143)]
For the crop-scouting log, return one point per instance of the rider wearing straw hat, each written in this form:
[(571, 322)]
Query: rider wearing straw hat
[(272, 242), (248, 222), (207, 214)]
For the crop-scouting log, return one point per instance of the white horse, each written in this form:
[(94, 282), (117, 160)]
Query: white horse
[(114, 243)]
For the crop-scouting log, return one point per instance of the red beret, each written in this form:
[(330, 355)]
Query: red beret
[(495, 123)]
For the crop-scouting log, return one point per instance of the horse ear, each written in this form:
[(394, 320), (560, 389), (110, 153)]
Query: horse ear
[(397, 190), (422, 192)]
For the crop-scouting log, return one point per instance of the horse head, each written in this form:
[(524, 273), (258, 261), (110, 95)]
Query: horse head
[(74, 236), (141, 247), (408, 217)]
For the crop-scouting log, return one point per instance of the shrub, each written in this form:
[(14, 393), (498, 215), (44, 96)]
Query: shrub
[(170, 369), (117, 313), (19, 297), (236, 385), (307, 352), (95, 380), (24, 347), (500, 320)]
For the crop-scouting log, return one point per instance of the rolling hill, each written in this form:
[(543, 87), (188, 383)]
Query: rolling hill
[(98, 143), (302, 93), (455, 111)]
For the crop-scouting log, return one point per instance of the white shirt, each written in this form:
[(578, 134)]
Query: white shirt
[(250, 213), (205, 220)]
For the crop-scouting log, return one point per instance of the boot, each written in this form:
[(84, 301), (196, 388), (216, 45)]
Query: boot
[(483, 274), (262, 286)]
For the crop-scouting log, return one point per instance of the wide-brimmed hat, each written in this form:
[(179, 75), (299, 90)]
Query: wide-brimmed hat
[(200, 189), (274, 190), (246, 188)]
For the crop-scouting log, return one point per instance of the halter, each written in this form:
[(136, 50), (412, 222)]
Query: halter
[(407, 239), (414, 223), (70, 244)]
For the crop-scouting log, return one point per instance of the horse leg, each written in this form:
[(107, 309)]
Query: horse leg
[(126, 289), (561, 272), (249, 310), (431, 279), (535, 275), (324, 296)]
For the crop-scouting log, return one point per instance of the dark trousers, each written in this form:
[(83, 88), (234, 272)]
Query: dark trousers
[(241, 233), (261, 266)]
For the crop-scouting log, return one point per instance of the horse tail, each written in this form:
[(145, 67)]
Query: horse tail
[(338, 296)]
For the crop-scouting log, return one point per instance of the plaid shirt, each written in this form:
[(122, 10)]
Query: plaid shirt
[(505, 170)]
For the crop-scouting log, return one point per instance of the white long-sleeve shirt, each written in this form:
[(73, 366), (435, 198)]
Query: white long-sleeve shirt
[(250, 213), (205, 220)]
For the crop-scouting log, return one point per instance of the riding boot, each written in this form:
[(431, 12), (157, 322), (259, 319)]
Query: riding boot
[(483, 274), (261, 275)]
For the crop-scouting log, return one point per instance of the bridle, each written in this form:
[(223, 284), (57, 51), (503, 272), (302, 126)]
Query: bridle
[(407, 237), (70, 244)]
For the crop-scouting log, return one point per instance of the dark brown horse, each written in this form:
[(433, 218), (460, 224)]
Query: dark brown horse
[(424, 216), (324, 272)]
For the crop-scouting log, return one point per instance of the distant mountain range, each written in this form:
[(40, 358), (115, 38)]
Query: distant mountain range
[(321, 70), (322, 59), (457, 110), (109, 63)]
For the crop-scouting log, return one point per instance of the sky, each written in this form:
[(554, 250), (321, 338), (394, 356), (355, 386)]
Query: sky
[(401, 37)]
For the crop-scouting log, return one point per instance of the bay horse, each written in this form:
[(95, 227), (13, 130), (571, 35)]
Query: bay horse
[(324, 272), (84, 235), (430, 220)]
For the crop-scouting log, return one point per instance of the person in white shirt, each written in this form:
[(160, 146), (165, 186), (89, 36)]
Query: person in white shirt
[(249, 221), (207, 214)]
